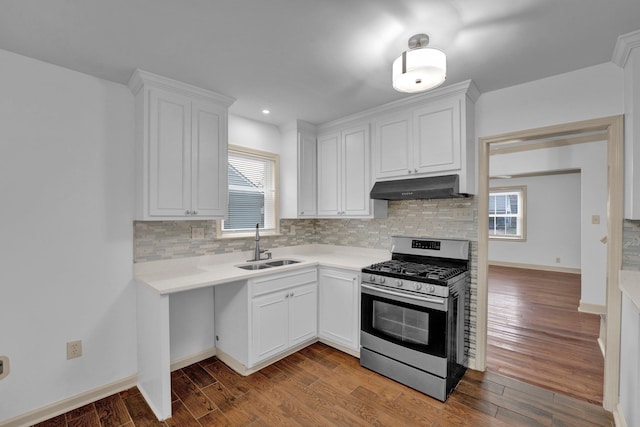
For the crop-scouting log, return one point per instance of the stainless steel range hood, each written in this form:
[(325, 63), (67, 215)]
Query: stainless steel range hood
[(433, 187)]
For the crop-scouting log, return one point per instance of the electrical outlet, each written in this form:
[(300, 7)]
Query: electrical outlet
[(74, 349), (558, 260), (595, 219), (197, 233)]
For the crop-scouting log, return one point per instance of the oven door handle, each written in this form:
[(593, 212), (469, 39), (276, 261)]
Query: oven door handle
[(406, 295)]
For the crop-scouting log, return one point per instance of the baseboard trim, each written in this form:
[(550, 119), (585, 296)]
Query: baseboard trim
[(190, 360), (340, 347), (71, 403), (586, 307), (471, 362), (618, 417), (237, 366), (536, 267)]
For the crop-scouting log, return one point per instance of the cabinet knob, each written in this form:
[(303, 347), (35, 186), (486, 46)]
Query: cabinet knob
[(187, 212), (415, 170), (194, 213), (302, 213), (409, 171)]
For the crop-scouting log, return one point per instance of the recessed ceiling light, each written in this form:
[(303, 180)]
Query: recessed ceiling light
[(265, 112)]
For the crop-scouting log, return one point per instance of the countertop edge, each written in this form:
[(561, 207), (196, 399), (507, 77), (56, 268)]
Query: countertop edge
[(190, 273)]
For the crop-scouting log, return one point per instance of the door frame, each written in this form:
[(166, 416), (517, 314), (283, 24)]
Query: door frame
[(611, 130)]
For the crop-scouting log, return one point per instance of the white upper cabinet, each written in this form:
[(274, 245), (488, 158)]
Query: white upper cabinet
[(392, 145), (436, 136), (343, 172), (298, 171), (427, 135), (181, 149)]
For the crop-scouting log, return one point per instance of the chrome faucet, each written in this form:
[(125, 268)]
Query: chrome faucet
[(257, 252)]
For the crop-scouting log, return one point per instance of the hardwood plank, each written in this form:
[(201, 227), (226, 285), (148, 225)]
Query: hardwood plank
[(112, 411), (89, 419), (140, 412), (302, 390), (536, 334), (229, 404), (81, 411), (180, 416), (191, 396), (215, 419), (198, 375)]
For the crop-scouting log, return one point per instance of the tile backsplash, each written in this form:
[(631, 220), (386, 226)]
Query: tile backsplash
[(631, 245), (160, 240)]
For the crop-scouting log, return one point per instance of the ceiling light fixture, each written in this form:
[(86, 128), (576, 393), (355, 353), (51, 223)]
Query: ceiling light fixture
[(265, 112), (420, 68)]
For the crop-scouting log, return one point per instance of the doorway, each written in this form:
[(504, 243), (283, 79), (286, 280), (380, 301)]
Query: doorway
[(609, 129)]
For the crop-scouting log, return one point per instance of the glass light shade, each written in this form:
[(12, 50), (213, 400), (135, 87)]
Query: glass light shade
[(425, 69)]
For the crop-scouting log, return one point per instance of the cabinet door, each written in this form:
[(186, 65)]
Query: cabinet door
[(270, 320), (355, 171), (329, 179), (303, 313), (340, 308), (437, 137), (307, 191), (169, 154), (209, 160), (392, 147)]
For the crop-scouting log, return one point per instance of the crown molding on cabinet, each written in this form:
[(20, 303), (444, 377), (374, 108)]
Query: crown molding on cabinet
[(625, 44), (139, 78), (467, 87)]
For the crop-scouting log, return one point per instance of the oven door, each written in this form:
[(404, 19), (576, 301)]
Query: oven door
[(412, 321)]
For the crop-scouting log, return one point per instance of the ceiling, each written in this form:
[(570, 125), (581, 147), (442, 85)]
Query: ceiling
[(315, 60)]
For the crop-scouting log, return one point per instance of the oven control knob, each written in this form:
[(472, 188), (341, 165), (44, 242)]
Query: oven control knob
[(382, 280), (372, 278), (432, 288), (399, 283), (418, 286)]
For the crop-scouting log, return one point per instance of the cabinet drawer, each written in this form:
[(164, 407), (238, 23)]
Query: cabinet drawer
[(274, 282)]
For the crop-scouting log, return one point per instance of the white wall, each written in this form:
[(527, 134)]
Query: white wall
[(552, 223), (66, 185), (589, 93), (254, 134)]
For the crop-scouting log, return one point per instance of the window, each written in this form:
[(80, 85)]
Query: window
[(253, 180), (507, 213)]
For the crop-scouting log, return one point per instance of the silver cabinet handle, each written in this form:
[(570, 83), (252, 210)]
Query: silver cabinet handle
[(194, 213), (415, 170), (187, 212)]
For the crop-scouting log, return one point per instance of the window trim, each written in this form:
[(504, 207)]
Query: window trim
[(504, 189), (275, 158)]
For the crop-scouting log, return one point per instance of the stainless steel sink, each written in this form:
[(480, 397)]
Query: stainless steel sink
[(253, 266), (269, 264), (279, 262)]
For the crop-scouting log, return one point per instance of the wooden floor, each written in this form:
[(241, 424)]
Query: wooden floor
[(320, 386), (536, 334)]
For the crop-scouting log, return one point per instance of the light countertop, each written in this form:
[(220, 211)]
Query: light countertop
[(178, 275)]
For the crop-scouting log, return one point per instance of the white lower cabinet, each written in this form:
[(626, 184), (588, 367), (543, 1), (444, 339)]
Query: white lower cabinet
[(264, 317), (283, 319), (339, 308)]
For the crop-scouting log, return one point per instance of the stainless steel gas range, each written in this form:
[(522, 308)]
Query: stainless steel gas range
[(413, 308)]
